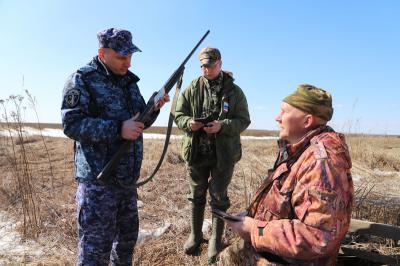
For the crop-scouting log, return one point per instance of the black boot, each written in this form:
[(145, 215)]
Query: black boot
[(215, 242), (196, 235)]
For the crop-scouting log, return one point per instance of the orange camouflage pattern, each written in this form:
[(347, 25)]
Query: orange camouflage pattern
[(302, 211)]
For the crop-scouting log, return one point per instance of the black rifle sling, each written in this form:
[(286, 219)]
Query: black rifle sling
[(168, 135)]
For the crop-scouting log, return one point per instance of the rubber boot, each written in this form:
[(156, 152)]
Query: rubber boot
[(215, 242), (192, 244)]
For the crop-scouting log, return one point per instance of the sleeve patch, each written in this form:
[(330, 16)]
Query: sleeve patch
[(72, 98), (320, 151)]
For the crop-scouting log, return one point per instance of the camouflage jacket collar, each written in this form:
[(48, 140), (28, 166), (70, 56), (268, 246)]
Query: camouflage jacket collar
[(215, 84), (287, 151), (120, 80)]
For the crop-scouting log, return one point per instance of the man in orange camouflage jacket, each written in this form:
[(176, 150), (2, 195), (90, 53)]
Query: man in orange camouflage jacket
[(302, 210)]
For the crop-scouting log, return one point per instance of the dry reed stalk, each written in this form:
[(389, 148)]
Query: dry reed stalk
[(32, 101), (21, 169), (246, 198)]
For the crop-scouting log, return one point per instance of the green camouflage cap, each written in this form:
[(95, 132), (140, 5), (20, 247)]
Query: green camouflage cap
[(311, 100), (208, 56)]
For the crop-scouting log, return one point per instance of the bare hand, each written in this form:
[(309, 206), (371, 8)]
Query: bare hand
[(131, 129), (243, 227), (161, 102), (194, 126), (213, 127)]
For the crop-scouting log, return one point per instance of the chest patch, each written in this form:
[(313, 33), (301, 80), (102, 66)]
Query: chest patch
[(72, 98), (226, 107)]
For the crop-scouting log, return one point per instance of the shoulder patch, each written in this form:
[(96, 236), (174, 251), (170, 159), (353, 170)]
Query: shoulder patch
[(319, 150), (72, 98)]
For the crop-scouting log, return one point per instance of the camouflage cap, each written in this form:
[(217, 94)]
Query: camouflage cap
[(312, 100), (118, 39), (208, 56)]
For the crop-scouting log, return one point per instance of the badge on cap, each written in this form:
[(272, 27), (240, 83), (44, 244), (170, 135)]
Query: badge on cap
[(226, 107), (72, 98)]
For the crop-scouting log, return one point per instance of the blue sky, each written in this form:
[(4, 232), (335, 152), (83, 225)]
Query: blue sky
[(350, 48)]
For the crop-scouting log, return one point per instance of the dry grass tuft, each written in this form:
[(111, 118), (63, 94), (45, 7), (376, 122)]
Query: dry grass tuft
[(376, 152)]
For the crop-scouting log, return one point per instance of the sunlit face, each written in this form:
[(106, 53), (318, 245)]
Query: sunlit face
[(293, 123), (117, 63), (211, 72)]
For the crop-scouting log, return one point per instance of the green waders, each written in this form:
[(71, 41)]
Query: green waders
[(202, 177), (192, 244), (215, 242)]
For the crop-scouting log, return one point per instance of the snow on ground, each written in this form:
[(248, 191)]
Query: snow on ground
[(356, 178), (11, 243), (145, 235), (29, 131), (206, 228), (386, 173), (52, 132)]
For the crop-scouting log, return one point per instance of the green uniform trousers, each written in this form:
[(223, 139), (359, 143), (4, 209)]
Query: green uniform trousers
[(205, 175)]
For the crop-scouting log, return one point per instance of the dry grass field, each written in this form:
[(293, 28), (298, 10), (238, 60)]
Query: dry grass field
[(38, 189)]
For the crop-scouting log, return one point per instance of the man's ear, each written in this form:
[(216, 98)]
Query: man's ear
[(309, 121), (100, 52)]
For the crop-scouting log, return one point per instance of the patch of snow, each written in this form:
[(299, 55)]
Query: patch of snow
[(160, 136), (11, 243), (385, 173), (258, 138), (356, 178), (29, 131), (146, 235), (58, 133), (206, 226), (140, 204)]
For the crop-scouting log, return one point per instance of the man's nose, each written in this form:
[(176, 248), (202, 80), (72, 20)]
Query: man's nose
[(127, 62)]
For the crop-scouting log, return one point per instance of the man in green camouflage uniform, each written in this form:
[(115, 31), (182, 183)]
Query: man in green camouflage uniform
[(210, 148)]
